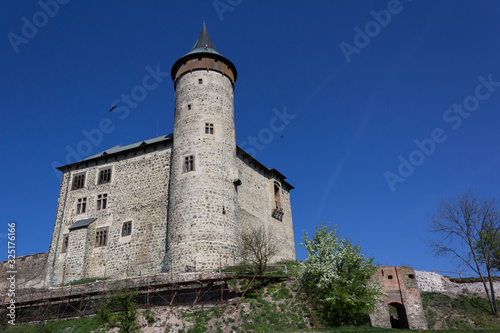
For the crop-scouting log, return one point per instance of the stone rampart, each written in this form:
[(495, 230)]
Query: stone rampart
[(30, 271), (434, 282)]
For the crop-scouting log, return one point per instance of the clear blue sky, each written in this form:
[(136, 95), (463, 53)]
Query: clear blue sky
[(360, 92)]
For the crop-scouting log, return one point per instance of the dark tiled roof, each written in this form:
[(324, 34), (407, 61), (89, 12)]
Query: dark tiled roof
[(119, 149), (81, 224), (204, 43)]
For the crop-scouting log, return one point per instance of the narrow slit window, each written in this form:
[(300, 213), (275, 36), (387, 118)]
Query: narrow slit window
[(65, 243), (102, 201), (209, 128), (277, 196), (189, 163), (127, 229), (81, 205), (101, 237), (189, 107)]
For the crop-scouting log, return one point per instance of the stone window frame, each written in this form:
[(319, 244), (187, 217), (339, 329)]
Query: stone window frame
[(78, 181), (81, 205), (209, 128), (188, 164), (101, 237), (104, 175), (277, 207), (127, 228), (277, 195), (65, 243), (102, 201)]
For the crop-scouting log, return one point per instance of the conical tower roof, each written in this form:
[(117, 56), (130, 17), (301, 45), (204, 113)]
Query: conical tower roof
[(204, 43), (203, 48)]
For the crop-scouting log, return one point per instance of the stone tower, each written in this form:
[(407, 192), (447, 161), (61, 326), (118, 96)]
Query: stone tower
[(202, 227)]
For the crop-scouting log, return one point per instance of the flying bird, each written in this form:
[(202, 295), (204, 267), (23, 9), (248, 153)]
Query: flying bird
[(114, 107)]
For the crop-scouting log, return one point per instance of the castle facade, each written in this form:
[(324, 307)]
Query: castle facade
[(173, 203)]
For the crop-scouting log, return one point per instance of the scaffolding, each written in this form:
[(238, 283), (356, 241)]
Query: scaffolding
[(195, 288)]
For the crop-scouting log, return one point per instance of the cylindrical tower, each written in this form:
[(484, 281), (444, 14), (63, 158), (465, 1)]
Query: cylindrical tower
[(203, 203)]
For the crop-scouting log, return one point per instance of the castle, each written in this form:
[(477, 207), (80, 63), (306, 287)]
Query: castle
[(172, 203)]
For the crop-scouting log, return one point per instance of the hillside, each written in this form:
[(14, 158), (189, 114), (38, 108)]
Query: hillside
[(277, 307)]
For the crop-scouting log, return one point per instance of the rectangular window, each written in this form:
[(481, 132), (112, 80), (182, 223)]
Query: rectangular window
[(127, 229), (102, 201), (104, 176), (189, 107), (200, 81), (101, 237), (78, 181), (209, 128), (65, 243), (81, 206), (189, 163)]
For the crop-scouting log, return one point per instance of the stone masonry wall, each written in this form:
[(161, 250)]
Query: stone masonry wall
[(256, 201), (203, 223), (433, 282), (137, 192), (30, 271)]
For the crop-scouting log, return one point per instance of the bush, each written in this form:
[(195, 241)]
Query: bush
[(338, 277)]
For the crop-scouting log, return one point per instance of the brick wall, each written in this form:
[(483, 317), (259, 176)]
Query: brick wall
[(400, 289)]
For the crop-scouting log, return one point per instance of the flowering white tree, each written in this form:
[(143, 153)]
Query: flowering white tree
[(338, 277)]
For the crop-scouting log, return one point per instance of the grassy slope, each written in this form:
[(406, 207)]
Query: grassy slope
[(278, 308), (459, 312)]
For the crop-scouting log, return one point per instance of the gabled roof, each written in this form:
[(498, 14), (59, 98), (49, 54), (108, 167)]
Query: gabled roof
[(82, 224), (120, 149)]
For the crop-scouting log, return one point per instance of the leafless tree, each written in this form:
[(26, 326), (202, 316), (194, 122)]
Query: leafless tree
[(462, 225), (258, 246)]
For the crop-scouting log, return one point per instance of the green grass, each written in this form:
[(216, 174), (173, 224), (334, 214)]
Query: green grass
[(461, 312), (83, 325)]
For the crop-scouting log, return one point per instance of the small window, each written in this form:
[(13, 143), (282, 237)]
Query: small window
[(389, 277), (127, 229), (411, 276), (209, 128), (78, 181), (189, 107), (65, 243), (189, 163), (104, 176), (81, 205), (101, 237), (200, 81), (102, 201)]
